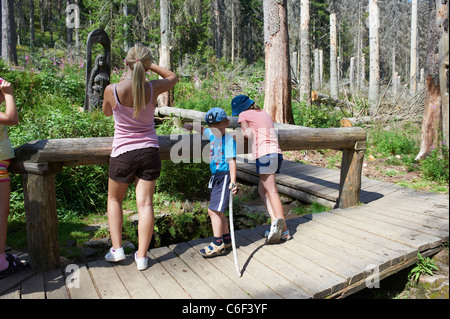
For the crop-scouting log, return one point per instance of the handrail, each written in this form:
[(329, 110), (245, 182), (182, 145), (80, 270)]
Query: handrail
[(39, 161)]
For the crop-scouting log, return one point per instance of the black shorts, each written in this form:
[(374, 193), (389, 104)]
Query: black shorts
[(142, 163), (220, 193)]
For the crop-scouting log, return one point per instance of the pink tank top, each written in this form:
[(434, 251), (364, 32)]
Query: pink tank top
[(133, 133)]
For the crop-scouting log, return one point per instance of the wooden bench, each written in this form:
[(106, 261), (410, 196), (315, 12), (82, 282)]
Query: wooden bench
[(39, 162)]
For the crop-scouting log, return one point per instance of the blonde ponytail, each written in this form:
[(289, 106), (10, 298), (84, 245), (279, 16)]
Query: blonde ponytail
[(139, 59)]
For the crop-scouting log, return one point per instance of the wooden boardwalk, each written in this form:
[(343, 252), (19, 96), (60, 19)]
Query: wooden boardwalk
[(332, 254)]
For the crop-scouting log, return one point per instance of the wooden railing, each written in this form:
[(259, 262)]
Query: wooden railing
[(39, 162)]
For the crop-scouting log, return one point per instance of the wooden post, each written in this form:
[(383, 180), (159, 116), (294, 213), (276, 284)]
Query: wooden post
[(350, 182), (41, 218)]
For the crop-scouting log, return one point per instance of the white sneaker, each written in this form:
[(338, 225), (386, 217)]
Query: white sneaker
[(141, 263), (115, 255), (275, 231)]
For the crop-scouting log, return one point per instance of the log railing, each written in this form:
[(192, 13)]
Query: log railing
[(39, 162)]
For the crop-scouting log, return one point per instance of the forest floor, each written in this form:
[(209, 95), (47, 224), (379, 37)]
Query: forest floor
[(376, 168)]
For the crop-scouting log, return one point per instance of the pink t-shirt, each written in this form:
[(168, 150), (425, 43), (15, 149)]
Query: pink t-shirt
[(133, 133), (265, 139)]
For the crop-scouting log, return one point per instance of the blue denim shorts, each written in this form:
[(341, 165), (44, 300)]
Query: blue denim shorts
[(269, 164)]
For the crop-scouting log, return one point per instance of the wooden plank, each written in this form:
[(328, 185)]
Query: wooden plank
[(134, 280), (306, 246), (165, 285), (86, 288), (366, 252), (107, 282), (248, 282), (361, 236), (422, 223), (271, 278), (189, 280), (222, 284), (55, 285), (399, 206), (307, 278), (33, 287), (12, 293), (15, 279), (403, 235)]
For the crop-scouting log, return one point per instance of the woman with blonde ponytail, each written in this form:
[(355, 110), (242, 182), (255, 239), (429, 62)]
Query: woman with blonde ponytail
[(135, 150)]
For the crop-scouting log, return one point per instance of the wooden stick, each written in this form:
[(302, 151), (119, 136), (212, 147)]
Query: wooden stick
[(233, 242)]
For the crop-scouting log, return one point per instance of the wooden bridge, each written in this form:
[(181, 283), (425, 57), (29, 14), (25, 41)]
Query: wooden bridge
[(332, 254)]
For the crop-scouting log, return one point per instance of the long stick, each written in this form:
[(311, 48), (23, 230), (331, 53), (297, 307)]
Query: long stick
[(233, 242)]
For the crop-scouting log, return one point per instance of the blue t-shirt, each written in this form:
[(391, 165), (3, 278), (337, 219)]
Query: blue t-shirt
[(221, 150)]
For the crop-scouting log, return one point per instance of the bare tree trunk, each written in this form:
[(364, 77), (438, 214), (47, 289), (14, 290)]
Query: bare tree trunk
[(316, 84), (352, 75), (32, 38), (321, 67), (413, 56), (442, 25), (218, 5), (333, 57), (277, 101), (432, 120), (374, 77), (233, 25), (305, 55), (165, 57)]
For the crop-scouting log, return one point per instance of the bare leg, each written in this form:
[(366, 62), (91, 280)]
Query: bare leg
[(116, 194), (272, 199), (4, 212), (144, 202)]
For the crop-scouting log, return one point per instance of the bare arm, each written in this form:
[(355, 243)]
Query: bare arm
[(233, 169), (108, 100), (168, 81), (246, 130), (10, 117)]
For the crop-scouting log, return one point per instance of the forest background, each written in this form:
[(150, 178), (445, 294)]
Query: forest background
[(217, 49)]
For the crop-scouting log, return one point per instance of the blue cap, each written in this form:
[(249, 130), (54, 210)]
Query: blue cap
[(240, 104), (215, 115)]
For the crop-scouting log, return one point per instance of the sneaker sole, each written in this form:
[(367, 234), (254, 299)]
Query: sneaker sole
[(115, 260), (276, 235)]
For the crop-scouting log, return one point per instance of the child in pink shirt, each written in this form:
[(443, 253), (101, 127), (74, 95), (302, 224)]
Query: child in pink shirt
[(257, 125)]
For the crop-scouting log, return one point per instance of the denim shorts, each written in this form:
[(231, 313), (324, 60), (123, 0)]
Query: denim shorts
[(143, 163), (269, 164)]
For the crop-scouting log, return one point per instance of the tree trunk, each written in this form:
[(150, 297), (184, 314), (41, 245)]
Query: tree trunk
[(442, 25), (305, 55), (374, 76), (218, 5), (432, 120), (316, 70), (165, 58), (333, 57), (413, 57), (277, 101), (9, 52)]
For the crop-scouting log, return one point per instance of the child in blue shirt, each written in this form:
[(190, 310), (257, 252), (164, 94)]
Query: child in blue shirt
[(223, 180)]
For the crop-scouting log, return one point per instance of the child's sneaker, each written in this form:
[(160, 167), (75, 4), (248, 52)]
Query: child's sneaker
[(212, 250), (274, 235), (141, 263), (115, 255)]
